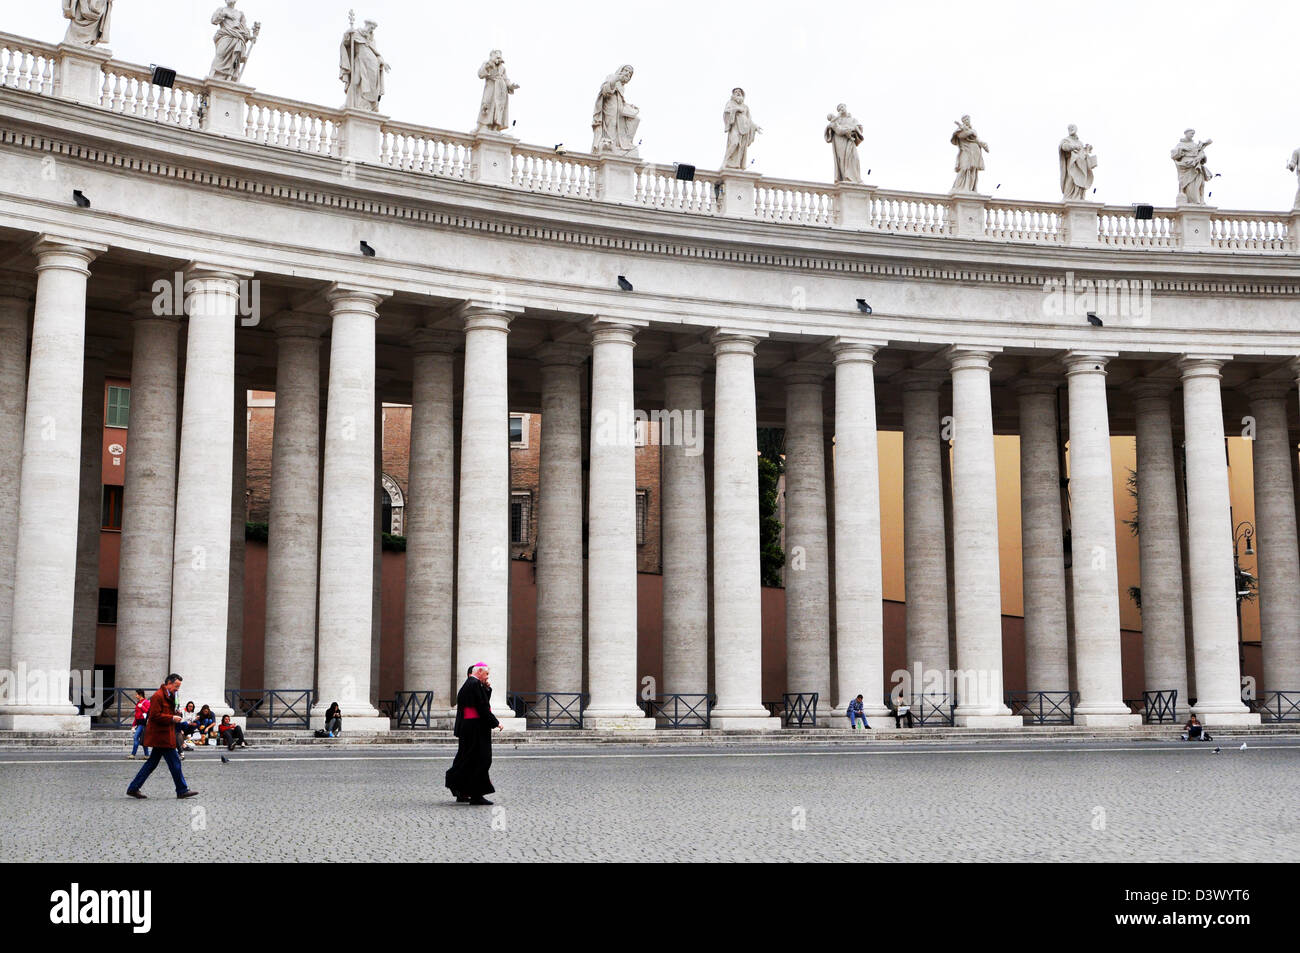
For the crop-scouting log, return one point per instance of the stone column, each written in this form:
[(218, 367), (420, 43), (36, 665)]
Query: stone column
[(144, 586), (685, 530), (859, 614), (293, 540), (1209, 545), (1164, 649), (977, 579), (430, 520), (737, 570), (238, 524), (377, 548), (204, 485), (347, 513), (559, 520), (1275, 537), (15, 307), (483, 545), (1047, 649), (85, 611), (611, 534), (46, 550), (807, 600), (1096, 577), (925, 564)]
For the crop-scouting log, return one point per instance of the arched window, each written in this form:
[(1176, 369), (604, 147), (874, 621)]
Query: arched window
[(394, 506)]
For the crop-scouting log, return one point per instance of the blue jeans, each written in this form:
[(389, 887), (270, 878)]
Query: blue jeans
[(853, 720), (173, 765), (135, 740)]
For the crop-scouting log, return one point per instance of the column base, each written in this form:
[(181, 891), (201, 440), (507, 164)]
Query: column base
[(25, 721), (1226, 719), (840, 716), (1007, 720), (360, 724), (509, 723), (633, 720), (744, 720), (1107, 720)]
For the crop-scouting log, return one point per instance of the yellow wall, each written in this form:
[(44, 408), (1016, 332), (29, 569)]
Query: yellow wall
[(1007, 455)]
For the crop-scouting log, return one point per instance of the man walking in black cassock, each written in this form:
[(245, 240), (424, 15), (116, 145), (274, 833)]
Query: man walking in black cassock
[(467, 778)]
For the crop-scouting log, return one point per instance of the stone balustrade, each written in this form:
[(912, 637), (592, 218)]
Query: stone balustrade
[(27, 65), (126, 89)]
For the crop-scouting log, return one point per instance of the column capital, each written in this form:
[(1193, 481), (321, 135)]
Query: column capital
[(1295, 366), (1036, 385), (971, 357), (605, 331), (850, 349), (297, 324), (804, 373), (682, 364), (1151, 388), (201, 270), (730, 341), (1264, 389), (1202, 365), (60, 251), (561, 354), (481, 314), (347, 297), (434, 341), (914, 379), (1087, 362)]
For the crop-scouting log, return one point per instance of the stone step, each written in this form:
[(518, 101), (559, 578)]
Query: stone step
[(121, 738)]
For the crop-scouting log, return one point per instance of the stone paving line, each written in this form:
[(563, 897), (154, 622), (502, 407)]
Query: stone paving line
[(1096, 802)]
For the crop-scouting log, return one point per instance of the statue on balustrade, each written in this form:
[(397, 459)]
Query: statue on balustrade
[(88, 21), (614, 121), (970, 156), (1193, 170), (1294, 166), (740, 128), (494, 111), (361, 67), (844, 133), (234, 42), (1077, 163)]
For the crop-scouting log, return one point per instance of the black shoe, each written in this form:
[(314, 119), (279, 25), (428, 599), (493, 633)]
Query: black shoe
[(140, 794), (480, 800), (190, 793), (462, 798)]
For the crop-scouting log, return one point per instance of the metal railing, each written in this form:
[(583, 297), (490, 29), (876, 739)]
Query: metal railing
[(929, 709), (118, 710), (386, 707), (1279, 706), (1043, 708), (413, 709), (680, 710), (272, 707), (1160, 708), (798, 709), (548, 709)]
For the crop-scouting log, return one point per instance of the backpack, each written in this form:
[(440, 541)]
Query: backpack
[(322, 733)]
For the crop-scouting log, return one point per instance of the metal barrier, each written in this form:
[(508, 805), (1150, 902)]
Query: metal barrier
[(1043, 708), (1160, 708), (799, 709), (548, 709), (1279, 706), (935, 708), (413, 709), (272, 707), (680, 711), (118, 710)]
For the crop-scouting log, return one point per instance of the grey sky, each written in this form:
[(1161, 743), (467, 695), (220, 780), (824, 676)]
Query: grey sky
[(1131, 74)]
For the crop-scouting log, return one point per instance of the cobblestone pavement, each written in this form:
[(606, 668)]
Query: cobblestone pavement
[(1152, 801)]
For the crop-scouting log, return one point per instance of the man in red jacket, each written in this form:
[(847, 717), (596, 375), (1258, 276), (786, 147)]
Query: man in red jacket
[(160, 735)]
